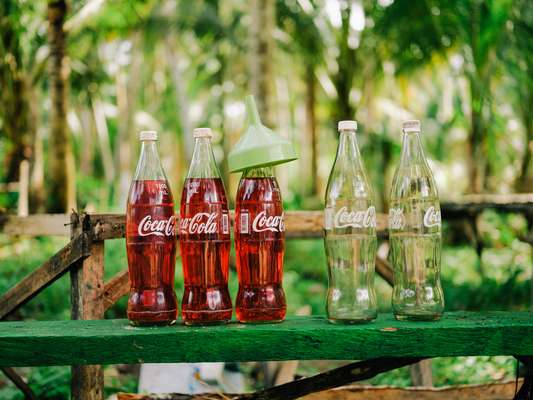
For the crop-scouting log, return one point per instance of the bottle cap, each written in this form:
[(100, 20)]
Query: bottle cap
[(347, 125), (202, 133), (259, 146), (412, 125), (148, 135)]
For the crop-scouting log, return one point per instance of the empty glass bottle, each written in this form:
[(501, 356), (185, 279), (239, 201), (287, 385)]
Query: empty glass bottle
[(415, 234), (350, 234)]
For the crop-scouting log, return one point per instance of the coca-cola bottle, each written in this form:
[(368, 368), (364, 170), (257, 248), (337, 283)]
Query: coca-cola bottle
[(259, 246), (415, 233), (151, 240), (350, 234), (204, 238)]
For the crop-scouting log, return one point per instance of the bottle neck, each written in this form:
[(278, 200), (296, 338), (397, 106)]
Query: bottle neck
[(412, 151), (203, 163), (261, 172), (149, 166), (348, 149)]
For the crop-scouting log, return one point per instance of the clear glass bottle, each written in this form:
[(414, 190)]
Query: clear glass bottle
[(350, 234), (415, 234)]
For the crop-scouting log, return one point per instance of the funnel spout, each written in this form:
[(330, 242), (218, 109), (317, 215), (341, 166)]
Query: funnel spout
[(251, 111)]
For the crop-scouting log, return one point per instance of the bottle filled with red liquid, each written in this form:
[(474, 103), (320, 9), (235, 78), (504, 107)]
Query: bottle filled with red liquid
[(259, 246), (204, 238), (151, 240)]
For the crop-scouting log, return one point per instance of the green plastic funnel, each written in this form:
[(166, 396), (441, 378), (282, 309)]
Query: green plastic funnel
[(259, 146)]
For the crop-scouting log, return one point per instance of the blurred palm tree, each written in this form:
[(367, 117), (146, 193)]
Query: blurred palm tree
[(415, 31)]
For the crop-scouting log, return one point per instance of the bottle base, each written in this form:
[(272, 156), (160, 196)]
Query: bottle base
[(351, 321), (148, 318), (151, 323), (206, 323), (260, 322), (417, 317), (261, 316), (218, 317)]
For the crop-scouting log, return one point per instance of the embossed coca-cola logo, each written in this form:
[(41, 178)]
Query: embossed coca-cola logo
[(199, 223), (273, 223), (356, 219), (396, 218), (432, 217), (157, 227)]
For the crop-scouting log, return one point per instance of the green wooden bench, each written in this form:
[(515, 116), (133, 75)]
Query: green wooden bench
[(88, 341), (32, 343)]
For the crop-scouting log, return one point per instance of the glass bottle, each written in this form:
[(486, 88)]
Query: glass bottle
[(415, 233), (259, 247), (151, 240), (350, 234), (204, 238)]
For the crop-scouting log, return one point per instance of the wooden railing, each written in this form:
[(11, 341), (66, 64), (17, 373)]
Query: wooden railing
[(83, 258)]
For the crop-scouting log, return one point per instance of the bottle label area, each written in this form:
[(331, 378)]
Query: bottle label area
[(396, 218), (417, 217), (205, 223), (262, 222), (345, 217), (432, 217), (157, 227)]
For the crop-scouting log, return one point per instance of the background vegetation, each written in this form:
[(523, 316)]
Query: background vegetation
[(71, 107)]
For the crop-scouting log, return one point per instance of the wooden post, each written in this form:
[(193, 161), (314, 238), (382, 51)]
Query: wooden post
[(421, 374), (24, 188), (87, 285)]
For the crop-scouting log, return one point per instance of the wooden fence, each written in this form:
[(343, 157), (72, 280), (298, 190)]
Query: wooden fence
[(91, 295)]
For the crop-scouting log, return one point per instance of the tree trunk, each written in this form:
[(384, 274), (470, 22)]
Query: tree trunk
[(126, 140), (310, 103), (61, 195), (343, 79), (263, 20), (525, 179), (176, 73), (15, 102), (104, 143), (87, 133), (37, 190), (475, 139)]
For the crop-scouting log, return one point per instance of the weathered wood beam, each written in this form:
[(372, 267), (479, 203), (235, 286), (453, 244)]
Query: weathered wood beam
[(35, 225), (43, 276), (384, 269), (526, 390), (486, 391), (86, 288), (353, 372), (298, 224), (19, 382), (476, 203), (116, 288)]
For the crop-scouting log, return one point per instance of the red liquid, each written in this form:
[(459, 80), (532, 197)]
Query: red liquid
[(205, 246), (259, 245), (151, 249)]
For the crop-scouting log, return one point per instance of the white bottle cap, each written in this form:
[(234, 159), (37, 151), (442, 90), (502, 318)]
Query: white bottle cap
[(148, 135), (347, 125), (202, 133), (412, 125)]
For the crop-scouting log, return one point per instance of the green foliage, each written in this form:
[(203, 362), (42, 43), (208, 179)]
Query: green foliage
[(463, 67)]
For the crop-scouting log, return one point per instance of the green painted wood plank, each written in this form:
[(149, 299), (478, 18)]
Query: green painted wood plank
[(302, 338)]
